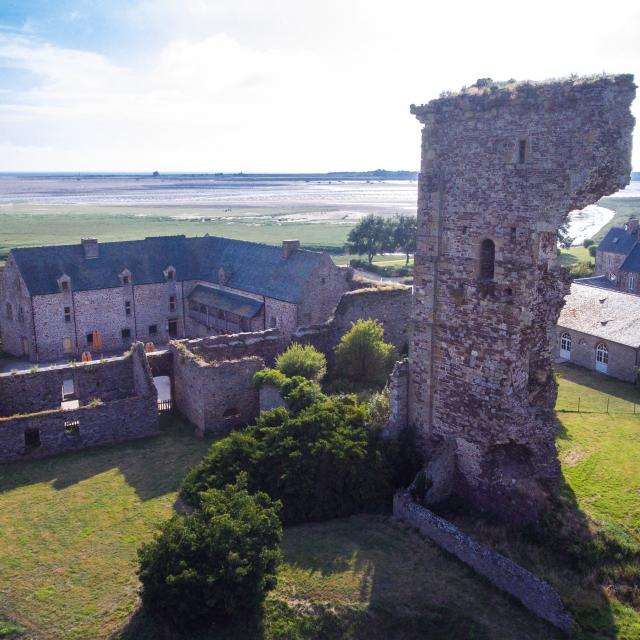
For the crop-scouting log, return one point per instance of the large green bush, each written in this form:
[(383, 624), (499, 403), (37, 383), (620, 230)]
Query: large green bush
[(363, 357), (321, 463), (302, 360), (214, 564), (297, 392)]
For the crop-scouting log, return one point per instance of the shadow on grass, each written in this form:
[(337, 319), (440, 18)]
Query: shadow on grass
[(369, 578), (153, 466), (583, 565), (599, 382)]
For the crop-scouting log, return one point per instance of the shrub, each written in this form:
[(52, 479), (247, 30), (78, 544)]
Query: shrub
[(268, 376), (321, 463), (581, 270), (362, 356), (213, 564), (379, 409), (588, 242), (592, 250), (299, 393), (302, 360)]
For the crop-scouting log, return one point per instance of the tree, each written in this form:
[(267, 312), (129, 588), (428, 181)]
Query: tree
[(215, 563), (371, 236), (302, 360), (322, 462), (564, 238), (404, 234), (592, 250), (362, 356)]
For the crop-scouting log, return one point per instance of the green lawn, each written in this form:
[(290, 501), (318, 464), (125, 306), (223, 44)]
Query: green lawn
[(28, 226), (70, 526)]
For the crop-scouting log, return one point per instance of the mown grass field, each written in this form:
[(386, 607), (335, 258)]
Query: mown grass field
[(70, 527)]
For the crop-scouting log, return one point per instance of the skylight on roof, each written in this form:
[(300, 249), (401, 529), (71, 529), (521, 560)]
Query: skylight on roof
[(615, 240)]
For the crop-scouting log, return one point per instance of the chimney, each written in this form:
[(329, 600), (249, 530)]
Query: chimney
[(90, 246), (288, 247), (632, 226)]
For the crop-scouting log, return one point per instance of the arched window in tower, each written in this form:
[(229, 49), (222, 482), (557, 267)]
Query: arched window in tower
[(487, 259)]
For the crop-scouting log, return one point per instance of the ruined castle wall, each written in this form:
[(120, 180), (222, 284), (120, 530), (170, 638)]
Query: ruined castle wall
[(535, 594), (121, 397), (89, 426), (41, 390), (501, 169), (389, 305), (399, 399), (215, 396), (264, 344)]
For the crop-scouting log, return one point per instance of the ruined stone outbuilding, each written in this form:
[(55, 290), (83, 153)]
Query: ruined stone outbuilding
[(502, 165)]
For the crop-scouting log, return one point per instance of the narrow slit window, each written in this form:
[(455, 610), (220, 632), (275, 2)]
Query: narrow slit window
[(487, 259), (522, 151)]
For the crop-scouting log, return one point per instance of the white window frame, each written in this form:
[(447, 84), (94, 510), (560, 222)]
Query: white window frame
[(631, 282), (602, 357), (565, 346)]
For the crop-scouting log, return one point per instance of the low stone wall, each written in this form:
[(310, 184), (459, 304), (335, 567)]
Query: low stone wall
[(264, 344), (122, 404), (535, 594), (215, 396), (399, 399), (60, 431), (41, 389), (390, 305)]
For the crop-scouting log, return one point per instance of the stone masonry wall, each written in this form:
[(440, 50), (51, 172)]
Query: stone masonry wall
[(265, 344), (30, 392), (106, 423), (16, 325), (535, 594), (215, 396), (122, 405), (399, 399), (390, 305), (502, 165)]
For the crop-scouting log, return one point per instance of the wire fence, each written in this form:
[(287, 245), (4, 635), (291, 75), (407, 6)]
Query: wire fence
[(586, 404)]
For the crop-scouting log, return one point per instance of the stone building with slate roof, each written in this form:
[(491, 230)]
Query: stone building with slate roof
[(618, 258), (60, 301), (599, 329)]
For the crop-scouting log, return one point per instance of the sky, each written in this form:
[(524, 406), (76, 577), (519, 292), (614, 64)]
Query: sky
[(272, 86)]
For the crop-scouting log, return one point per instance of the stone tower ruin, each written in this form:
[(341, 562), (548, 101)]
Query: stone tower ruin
[(502, 166)]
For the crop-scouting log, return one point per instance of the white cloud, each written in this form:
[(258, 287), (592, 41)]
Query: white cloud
[(283, 86)]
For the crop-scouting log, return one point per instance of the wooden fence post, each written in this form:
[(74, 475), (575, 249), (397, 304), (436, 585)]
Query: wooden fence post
[(607, 405), (578, 404)]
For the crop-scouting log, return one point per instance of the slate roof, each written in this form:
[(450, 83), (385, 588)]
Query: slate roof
[(226, 300), (632, 261), (610, 315), (253, 267), (617, 240)]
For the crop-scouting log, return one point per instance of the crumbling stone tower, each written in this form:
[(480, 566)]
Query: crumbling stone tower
[(502, 166)]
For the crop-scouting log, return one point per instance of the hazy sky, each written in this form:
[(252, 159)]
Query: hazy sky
[(279, 85)]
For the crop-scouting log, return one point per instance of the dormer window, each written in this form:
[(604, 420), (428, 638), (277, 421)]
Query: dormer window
[(125, 277), (170, 274), (64, 282)]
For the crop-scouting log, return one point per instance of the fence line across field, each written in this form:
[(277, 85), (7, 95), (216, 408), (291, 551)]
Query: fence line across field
[(606, 405)]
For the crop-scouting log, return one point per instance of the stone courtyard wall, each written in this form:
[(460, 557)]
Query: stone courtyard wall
[(215, 396), (119, 398), (535, 594), (41, 389), (390, 305)]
